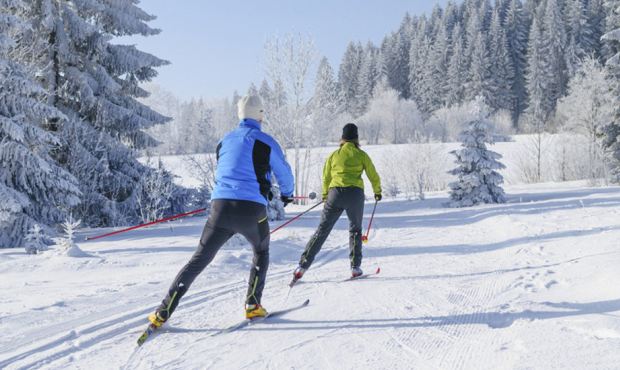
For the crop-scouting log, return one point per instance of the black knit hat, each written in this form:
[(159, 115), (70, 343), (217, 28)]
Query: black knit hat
[(349, 132)]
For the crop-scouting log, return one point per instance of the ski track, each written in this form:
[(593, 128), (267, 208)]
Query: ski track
[(460, 307), (99, 331)]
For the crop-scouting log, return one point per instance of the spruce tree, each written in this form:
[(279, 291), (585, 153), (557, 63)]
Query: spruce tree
[(457, 69), (538, 70), (555, 42), (579, 35), (516, 28), (479, 83), (348, 77), (325, 103), (96, 84), (611, 138), (478, 179), (501, 69), (33, 188)]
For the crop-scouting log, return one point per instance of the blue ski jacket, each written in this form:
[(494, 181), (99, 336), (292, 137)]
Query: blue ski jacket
[(246, 158)]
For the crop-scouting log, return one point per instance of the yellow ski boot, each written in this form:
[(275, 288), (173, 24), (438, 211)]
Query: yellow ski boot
[(253, 311), (156, 319)]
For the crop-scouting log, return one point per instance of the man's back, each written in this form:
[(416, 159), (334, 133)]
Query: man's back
[(246, 157)]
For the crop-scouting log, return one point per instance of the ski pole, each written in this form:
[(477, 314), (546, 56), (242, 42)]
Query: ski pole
[(365, 237), (296, 217), (146, 224)]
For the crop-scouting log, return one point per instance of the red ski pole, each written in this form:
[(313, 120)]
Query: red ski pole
[(146, 224), (296, 217), (365, 237)]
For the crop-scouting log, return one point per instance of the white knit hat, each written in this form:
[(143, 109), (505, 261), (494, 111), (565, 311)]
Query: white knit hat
[(250, 106)]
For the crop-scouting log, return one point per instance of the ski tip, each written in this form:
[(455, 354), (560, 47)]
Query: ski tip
[(306, 302), (378, 270)]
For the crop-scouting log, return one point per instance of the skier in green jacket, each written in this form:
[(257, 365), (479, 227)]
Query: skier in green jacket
[(343, 190)]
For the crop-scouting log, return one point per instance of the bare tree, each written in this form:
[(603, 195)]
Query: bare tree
[(288, 62)]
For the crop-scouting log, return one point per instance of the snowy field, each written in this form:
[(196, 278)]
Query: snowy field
[(562, 158), (533, 283)]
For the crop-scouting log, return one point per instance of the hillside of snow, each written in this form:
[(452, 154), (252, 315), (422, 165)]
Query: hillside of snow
[(533, 283)]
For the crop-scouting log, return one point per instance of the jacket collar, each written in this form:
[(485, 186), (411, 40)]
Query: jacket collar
[(251, 123)]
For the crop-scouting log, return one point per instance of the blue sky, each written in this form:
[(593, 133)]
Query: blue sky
[(216, 46)]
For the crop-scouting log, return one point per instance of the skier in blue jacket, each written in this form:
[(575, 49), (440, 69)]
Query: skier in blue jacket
[(246, 158)]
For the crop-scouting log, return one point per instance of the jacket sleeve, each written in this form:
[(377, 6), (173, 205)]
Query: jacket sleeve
[(281, 169), (372, 174), (327, 175)]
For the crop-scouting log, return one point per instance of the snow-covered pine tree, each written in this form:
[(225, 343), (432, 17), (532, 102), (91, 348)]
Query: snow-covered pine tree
[(501, 77), (516, 28), (537, 78), (252, 90), (478, 178), (611, 138), (579, 35), (418, 55), (479, 82), (437, 66), (66, 244), (395, 50), (457, 69), (35, 240), (325, 103), (96, 85), (33, 189), (348, 77), (555, 41)]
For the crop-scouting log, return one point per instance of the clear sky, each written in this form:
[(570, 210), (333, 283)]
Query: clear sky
[(217, 46)]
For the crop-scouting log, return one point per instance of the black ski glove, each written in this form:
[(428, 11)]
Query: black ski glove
[(378, 197), (286, 199)]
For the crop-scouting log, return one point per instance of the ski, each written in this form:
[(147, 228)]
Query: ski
[(363, 276), (248, 322), (146, 334)]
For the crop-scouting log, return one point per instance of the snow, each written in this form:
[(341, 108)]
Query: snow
[(527, 284)]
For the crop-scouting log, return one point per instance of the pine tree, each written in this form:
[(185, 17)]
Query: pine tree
[(35, 240), (96, 84), (479, 83), (538, 79), (579, 35), (437, 67), (252, 90), (596, 20), (555, 42), (421, 78), (457, 70), (66, 244), (348, 77), (417, 60), (478, 179), (611, 138), (371, 72), (501, 69), (517, 34), (325, 102), (33, 189)]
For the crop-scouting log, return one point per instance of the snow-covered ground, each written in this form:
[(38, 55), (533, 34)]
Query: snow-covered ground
[(533, 283), (562, 158)]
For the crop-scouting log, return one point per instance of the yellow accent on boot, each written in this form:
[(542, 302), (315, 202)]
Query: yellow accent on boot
[(156, 320), (254, 310)]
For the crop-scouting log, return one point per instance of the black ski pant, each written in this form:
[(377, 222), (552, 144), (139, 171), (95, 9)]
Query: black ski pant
[(227, 218), (351, 200)]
